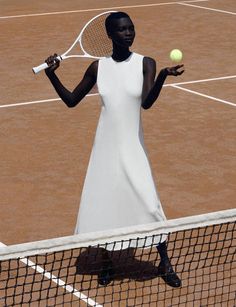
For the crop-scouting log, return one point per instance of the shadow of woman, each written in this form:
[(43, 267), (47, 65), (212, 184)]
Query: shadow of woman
[(126, 264)]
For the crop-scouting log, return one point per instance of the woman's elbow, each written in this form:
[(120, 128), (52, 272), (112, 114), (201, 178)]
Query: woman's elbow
[(70, 106), (68, 103), (146, 105), (71, 103)]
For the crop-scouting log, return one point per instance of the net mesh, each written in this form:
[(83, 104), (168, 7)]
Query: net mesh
[(94, 39), (203, 257)]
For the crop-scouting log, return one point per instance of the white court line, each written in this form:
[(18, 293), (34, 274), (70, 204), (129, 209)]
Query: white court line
[(203, 95), (101, 9), (57, 281), (201, 80), (89, 95), (207, 8), (36, 102), (27, 103)]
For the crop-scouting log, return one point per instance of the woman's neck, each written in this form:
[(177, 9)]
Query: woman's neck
[(120, 55)]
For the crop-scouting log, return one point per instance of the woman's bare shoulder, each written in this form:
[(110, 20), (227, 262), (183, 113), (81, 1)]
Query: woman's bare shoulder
[(92, 69), (148, 64)]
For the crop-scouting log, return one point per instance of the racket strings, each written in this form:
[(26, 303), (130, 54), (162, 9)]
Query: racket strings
[(94, 39)]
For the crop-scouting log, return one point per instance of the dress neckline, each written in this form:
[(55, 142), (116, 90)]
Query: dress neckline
[(126, 60)]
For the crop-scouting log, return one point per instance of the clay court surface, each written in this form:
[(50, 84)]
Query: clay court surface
[(189, 132), (45, 147)]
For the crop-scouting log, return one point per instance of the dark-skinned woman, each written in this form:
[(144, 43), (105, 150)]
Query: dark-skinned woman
[(119, 189)]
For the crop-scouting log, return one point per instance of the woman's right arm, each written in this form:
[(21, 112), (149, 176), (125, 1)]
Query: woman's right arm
[(71, 99)]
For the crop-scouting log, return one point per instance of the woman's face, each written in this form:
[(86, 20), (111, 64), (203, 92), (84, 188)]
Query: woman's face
[(123, 32)]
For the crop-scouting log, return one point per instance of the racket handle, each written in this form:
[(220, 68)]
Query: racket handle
[(44, 65), (39, 68)]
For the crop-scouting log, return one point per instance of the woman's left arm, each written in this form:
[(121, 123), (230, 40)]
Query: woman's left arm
[(152, 87)]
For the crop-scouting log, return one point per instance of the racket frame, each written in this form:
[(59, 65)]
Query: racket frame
[(85, 54)]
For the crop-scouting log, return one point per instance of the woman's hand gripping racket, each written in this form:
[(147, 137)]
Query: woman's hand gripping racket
[(93, 41)]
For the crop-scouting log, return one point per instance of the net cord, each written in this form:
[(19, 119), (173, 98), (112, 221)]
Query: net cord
[(93, 239)]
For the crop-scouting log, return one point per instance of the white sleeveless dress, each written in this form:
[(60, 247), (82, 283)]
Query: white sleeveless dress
[(119, 189)]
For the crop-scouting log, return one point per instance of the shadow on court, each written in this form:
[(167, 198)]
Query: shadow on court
[(125, 263)]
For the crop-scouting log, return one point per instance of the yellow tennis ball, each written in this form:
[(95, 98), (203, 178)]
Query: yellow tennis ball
[(176, 55)]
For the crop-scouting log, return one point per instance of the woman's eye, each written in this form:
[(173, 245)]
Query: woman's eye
[(121, 29)]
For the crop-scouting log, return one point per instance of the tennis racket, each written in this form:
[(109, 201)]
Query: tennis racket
[(93, 41)]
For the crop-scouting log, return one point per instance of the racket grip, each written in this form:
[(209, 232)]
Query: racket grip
[(39, 68), (44, 65)]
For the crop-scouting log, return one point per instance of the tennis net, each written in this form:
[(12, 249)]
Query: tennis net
[(64, 271)]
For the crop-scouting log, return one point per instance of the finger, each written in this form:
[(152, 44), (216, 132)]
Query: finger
[(180, 72), (178, 66), (52, 57), (49, 60)]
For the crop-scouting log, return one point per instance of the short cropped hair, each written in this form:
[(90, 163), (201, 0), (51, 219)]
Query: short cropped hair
[(114, 16)]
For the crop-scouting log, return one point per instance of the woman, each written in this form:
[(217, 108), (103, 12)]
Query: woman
[(119, 190)]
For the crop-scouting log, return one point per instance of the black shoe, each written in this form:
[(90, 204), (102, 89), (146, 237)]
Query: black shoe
[(106, 275), (166, 272)]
